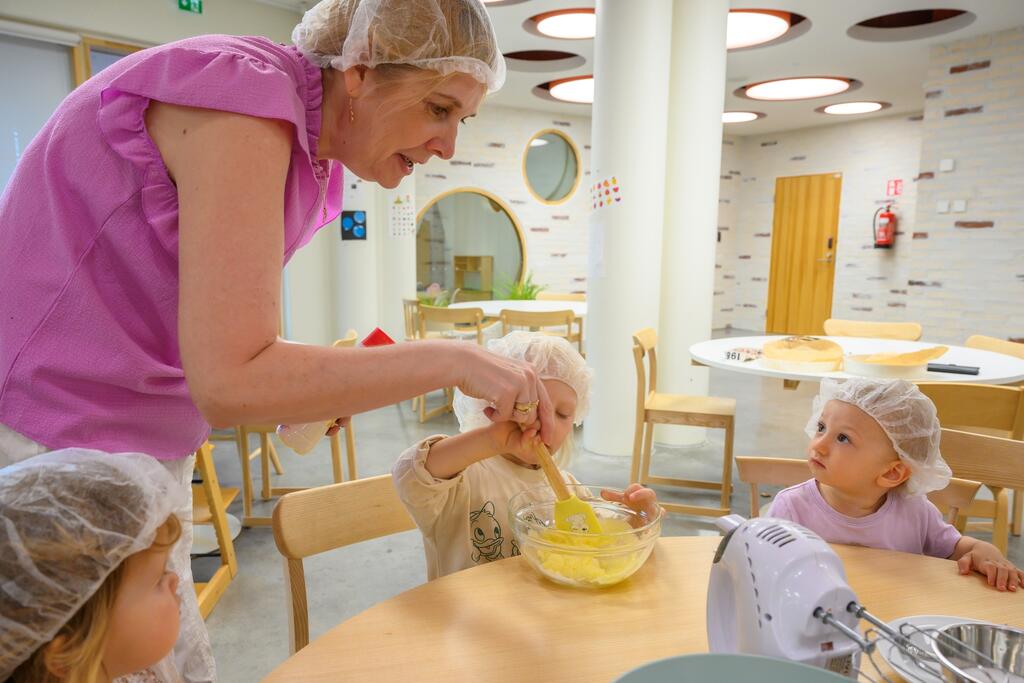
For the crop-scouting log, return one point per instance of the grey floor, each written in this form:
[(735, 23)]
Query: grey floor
[(248, 627)]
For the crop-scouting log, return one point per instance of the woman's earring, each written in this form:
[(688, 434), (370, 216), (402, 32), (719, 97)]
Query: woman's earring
[(351, 112)]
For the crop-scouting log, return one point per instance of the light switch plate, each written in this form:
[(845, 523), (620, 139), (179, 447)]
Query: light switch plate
[(946, 165), (959, 205), (942, 206)]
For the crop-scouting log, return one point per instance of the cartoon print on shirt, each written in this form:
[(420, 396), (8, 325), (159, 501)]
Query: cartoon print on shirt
[(485, 533)]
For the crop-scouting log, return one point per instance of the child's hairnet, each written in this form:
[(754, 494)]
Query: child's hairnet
[(445, 36), (552, 357), (68, 519), (908, 418)]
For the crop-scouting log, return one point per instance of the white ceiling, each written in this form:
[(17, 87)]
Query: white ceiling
[(890, 71)]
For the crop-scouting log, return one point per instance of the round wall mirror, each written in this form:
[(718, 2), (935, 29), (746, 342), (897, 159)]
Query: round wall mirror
[(468, 240), (551, 166)]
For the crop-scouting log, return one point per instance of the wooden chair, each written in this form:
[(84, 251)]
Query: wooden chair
[(209, 506), (980, 341), (545, 321), (410, 312), (444, 321), (677, 409), (982, 409), (561, 296), (995, 462), (267, 453), (317, 520), (784, 472), (835, 327)]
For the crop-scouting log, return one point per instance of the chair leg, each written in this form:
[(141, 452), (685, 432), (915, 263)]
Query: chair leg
[(1018, 512), (243, 455), (336, 458), (350, 450), (645, 458), (273, 456), (1001, 523), (638, 442), (727, 467), (265, 464)]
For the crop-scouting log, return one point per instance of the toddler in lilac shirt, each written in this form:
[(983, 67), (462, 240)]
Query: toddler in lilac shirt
[(874, 454)]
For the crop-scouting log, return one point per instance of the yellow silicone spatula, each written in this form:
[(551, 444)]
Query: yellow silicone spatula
[(571, 513)]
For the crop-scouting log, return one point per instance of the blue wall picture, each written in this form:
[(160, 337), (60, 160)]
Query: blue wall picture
[(353, 225)]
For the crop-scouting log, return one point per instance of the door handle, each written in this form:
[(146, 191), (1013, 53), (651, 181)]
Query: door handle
[(827, 259)]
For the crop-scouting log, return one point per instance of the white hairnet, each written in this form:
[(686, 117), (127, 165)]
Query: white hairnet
[(445, 36), (68, 519), (551, 357), (908, 418)]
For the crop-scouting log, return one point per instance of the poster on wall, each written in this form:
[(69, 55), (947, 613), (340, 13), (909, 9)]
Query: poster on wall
[(605, 192), (402, 217), (353, 225)]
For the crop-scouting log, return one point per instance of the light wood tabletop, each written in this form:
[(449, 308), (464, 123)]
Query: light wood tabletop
[(504, 622)]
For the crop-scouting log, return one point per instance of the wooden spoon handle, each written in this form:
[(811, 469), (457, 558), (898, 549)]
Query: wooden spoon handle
[(551, 471)]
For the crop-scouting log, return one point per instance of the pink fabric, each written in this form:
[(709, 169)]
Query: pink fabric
[(909, 524), (89, 350)]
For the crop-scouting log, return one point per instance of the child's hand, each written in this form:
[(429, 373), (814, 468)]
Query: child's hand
[(636, 497), (520, 441), (338, 424), (986, 559)]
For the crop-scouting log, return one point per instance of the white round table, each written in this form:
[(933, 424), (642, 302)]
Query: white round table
[(994, 368), (493, 308)]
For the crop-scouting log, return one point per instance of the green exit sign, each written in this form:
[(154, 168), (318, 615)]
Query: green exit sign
[(194, 6)]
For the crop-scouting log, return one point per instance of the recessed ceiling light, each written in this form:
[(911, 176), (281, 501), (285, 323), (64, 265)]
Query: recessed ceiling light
[(797, 88), (538, 142), (572, 24), (579, 89), (753, 27), (740, 116), (846, 108)]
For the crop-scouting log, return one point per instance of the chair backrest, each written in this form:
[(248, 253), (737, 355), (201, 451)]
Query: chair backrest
[(791, 471), (450, 317), (980, 341), (561, 296), (644, 342), (349, 340), (410, 313), (991, 460), (968, 407), (316, 520), (536, 320), (834, 327)]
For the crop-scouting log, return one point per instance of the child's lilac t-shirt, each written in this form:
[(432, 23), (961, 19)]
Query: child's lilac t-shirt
[(909, 524)]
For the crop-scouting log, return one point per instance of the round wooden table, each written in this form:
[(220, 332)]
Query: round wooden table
[(493, 308), (994, 368), (503, 622)]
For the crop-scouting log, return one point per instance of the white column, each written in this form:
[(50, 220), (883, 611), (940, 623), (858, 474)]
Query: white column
[(631, 64), (696, 94), (397, 255), (355, 270)]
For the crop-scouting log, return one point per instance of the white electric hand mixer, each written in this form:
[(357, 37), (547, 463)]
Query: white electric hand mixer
[(779, 590)]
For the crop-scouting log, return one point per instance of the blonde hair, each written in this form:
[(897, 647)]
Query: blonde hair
[(80, 655)]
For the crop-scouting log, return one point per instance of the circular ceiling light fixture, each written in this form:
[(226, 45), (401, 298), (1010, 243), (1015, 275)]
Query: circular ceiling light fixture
[(801, 88), (848, 108), (748, 27), (570, 24), (538, 142), (577, 89), (741, 116)]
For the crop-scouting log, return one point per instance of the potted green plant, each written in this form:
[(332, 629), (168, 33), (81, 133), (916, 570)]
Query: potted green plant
[(524, 290)]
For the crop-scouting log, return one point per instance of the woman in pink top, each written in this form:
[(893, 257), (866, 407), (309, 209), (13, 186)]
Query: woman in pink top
[(146, 226), (874, 454)]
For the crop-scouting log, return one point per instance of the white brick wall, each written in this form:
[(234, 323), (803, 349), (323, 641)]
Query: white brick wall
[(490, 156)]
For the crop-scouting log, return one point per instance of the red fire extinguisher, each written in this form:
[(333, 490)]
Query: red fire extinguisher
[(884, 228)]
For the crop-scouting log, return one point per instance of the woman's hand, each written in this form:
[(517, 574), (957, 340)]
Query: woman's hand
[(636, 497), (986, 559), (511, 386)]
